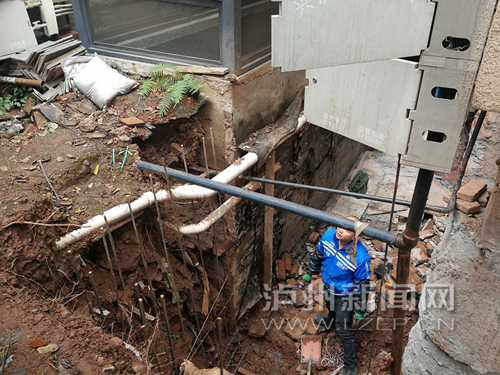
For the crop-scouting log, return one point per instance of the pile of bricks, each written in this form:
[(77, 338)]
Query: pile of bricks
[(471, 197)]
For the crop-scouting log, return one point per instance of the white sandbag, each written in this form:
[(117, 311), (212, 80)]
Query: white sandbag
[(101, 83), (71, 66)]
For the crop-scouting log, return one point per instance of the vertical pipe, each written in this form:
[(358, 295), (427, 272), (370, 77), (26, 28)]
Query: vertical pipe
[(268, 223), (169, 332), (144, 263), (420, 194), (97, 299), (80, 281)]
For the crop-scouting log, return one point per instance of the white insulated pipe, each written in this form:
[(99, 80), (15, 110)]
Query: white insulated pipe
[(217, 213), (226, 176), (121, 211)]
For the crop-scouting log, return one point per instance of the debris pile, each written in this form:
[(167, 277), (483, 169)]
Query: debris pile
[(43, 63), (471, 197)]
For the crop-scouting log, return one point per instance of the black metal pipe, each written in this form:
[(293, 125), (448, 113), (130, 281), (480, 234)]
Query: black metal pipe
[(345, 193), (312, 213), (421, 192)]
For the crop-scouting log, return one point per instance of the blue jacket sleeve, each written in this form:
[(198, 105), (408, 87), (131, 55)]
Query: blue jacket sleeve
[(363, 271)]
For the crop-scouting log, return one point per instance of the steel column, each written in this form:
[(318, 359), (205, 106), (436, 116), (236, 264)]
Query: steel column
[(420, 194)]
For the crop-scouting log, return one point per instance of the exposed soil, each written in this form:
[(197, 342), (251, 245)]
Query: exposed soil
[(40, 293)]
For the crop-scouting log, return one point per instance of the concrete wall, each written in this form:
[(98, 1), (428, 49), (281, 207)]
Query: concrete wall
[(487, 90), (261, 96)]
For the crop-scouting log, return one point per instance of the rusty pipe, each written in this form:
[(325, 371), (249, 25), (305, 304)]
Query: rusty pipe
[(23, 81)]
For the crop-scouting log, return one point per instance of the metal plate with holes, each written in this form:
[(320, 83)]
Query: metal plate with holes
[(311, 34), (439, 116), (366, 102)]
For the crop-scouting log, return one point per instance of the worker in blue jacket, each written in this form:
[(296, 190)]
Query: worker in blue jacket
[(345, 270)]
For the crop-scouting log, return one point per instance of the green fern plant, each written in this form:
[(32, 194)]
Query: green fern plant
[(176, 85)]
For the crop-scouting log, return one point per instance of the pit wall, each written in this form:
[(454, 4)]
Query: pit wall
[(237, 107), (316, 157)]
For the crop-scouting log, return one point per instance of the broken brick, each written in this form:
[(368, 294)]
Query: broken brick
[(37, 342), (132, 121), (291, 282), (295, 270), (471, 190), (280, 269), (419, 256), (288, 262), (429, 225), (424, 234), (483, 199), (313, 237), (378, 245), (468, 207)]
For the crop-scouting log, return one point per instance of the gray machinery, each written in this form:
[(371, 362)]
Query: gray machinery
[(396, 75)]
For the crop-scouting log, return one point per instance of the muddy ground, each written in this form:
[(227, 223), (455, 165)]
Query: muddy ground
[(40, 295)]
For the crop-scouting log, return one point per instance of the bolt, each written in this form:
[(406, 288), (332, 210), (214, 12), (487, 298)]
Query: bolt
[(315, 80)]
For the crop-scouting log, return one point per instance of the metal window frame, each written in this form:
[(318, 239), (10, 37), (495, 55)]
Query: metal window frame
[(230, 37)]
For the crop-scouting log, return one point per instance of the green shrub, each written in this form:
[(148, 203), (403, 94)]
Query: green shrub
[(176, 85)]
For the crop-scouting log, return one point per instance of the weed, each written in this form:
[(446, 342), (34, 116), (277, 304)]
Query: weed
[(176, 85), (16, 98)]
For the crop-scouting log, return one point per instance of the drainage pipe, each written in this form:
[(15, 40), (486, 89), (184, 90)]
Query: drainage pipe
[(312, 213), (121, 211), (217, 214)]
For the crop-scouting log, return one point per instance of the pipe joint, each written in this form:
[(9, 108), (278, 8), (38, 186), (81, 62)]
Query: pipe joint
[(406, 241)]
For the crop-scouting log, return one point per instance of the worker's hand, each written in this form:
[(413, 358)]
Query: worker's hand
[(306, 277)]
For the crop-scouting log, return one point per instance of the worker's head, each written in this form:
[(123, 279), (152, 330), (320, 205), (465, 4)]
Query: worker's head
[(345, 235)]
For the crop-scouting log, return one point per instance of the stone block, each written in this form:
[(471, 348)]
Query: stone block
[(471, 190), (468, 207)]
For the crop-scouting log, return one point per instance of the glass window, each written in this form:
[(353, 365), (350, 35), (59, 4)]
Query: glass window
[(176, 29), (256, 30)]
